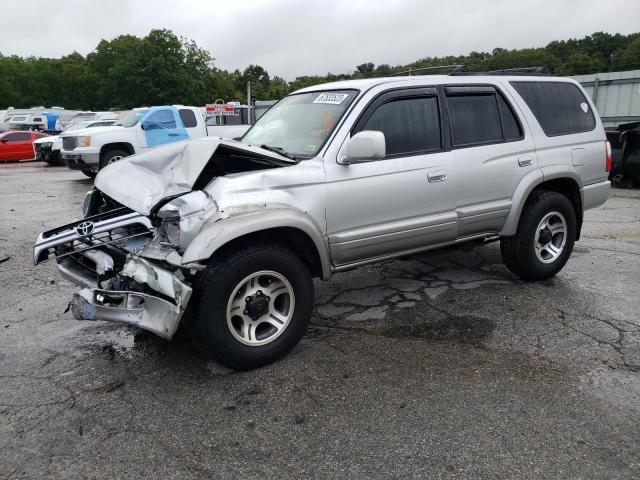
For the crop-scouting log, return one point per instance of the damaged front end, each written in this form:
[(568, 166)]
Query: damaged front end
[(142, 213), (105, 255)]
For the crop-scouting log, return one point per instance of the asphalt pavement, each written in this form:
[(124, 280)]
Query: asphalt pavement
[(442, 365)]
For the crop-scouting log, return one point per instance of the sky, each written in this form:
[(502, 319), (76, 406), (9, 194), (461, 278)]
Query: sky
[(290, 38)]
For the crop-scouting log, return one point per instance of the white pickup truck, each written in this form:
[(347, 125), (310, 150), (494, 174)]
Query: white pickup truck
[(90, 150)]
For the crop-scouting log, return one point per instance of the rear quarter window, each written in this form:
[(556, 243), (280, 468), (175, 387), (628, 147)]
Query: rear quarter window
[(560, 108)]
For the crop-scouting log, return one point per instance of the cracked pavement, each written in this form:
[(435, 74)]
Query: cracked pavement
[(442, 365)]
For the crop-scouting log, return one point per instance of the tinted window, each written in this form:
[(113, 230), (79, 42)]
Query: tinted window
[(160, 119), (474, 119), (17, 137), (510, 127), (559, 107), (409, 125), (480, 115), (188, 118)]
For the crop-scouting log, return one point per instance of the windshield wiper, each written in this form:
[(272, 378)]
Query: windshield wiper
[(280, 151)]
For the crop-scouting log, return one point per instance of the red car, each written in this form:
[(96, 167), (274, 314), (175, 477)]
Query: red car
[(18, 145)]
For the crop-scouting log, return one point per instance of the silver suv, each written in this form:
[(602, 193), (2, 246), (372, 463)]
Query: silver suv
[(332, 177)]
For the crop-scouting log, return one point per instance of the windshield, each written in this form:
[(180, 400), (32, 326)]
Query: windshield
[(300, 124), (129, 119)]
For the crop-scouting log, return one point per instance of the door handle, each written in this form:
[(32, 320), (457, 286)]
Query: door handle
[(439, 176), (526, 161), (173, 134)]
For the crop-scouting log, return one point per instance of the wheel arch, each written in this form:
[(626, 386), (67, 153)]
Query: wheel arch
[(292, 228), (561, 180), (125, 146)]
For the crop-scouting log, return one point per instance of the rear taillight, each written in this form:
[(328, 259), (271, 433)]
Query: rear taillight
[(609, 157)]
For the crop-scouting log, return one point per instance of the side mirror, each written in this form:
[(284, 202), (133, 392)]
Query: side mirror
[(142, 126), (363, 147)]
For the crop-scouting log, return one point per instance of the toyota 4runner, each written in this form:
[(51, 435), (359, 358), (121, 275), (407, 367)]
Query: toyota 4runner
[(332, 177)]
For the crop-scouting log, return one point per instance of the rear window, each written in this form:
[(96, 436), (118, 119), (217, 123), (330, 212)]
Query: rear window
[(188, 118), (480, 115), (559, 107)]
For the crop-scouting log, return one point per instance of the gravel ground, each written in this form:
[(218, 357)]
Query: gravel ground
[(443, 365)]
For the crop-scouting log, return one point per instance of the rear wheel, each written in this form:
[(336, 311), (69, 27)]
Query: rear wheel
[(254, 306), (111, 156), (544, 239)]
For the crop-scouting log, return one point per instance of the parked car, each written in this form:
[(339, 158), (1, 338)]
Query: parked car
[(48, 148), (144, 128), (625, 145), (18, 145), (332, 177)]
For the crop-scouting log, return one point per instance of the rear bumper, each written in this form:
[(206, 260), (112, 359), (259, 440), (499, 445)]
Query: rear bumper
[(595, 194), (82, 161)]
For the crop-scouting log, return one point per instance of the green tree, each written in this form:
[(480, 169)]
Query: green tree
[(364, 70), (162, 68), (629, 58)]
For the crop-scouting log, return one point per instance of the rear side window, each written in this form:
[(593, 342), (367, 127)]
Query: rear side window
[(160, 119), (480, 115), (188, 118), (410, 125), (559, 107)]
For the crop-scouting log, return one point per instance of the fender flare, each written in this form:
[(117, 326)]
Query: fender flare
[(114, 145), (218, 232), (528, 183)]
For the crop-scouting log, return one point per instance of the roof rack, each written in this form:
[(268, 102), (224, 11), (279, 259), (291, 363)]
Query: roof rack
[(455, 70), (533, 71)]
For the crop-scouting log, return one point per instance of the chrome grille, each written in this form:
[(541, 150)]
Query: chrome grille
[(68, 143), (108, 231)]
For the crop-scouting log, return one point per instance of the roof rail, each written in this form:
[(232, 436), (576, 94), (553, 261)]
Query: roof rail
[(534, 71), (454, 69)]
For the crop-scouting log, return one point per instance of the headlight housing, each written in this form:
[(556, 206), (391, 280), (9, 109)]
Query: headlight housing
[(84, 141)]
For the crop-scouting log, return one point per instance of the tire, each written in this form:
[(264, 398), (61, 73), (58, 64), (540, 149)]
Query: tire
[(528, 254), (90, 173), (111, 156), (222, 330)]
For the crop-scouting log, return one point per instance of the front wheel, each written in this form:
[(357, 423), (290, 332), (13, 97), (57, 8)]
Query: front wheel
[(253, 307), (111, 156), (90, 173), (544, 239)]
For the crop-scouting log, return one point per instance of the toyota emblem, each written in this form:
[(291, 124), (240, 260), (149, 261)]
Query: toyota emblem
[(84, 228)]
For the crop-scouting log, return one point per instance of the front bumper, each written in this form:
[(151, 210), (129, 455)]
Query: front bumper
[(82, 161), (118, 284), (159, 314), (132, 308)]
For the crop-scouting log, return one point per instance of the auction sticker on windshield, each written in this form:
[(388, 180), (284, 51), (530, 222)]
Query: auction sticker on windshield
[(331, 98)]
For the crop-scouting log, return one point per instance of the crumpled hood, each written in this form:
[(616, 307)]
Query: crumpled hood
[(141, 181)]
